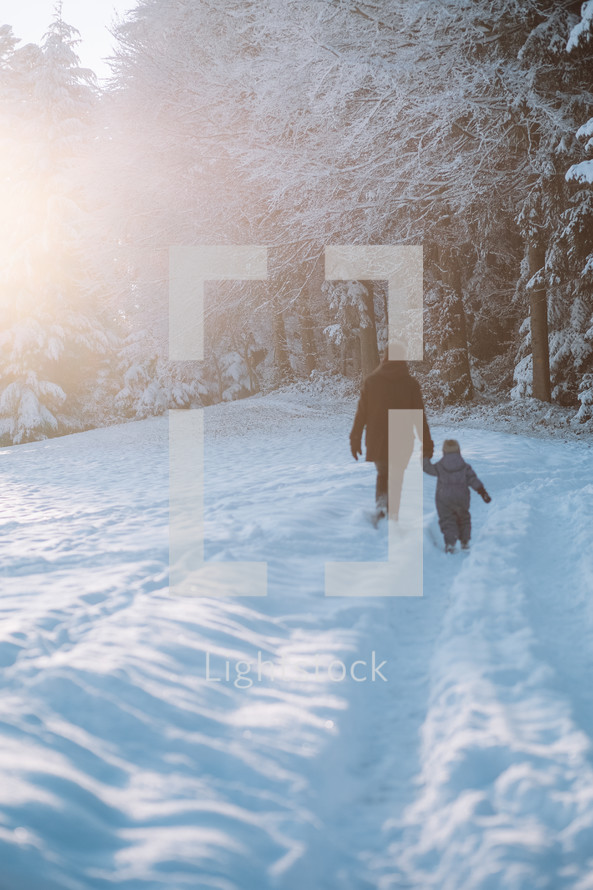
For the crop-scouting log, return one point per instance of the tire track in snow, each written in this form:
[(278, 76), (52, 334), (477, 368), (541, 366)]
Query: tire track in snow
[(366, 775), (505, 798), (560, 594)]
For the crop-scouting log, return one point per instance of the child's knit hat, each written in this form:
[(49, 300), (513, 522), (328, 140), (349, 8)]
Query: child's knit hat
[(451, 446)]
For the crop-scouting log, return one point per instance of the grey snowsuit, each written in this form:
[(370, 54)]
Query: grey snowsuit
[(454, 477)]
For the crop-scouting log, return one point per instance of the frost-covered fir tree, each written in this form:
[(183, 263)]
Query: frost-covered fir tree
[(579, 223), (557, 217), (354, 324), (165, 181), (51, 336), (146, 385), (293, 125)]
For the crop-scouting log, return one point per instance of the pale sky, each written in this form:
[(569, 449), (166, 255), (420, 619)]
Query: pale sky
[(30, 18)]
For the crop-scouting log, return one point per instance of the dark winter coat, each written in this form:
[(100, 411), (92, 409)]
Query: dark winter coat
[(389, 386), (454, 478)]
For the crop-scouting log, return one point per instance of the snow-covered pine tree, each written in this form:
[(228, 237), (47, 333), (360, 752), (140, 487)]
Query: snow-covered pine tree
[(294, 124), (558, 214), (166, 170), (51, 335), (578, 225), (354, 325), (147, 384)]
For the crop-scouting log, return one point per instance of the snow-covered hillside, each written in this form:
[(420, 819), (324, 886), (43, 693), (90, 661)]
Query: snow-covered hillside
[(128, 761)]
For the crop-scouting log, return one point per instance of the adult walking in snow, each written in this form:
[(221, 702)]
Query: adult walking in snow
[(389, 386)]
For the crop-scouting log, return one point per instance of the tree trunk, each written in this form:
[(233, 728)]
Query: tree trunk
[(282, 362), (247, 358), (460, 341), (307, 333), (455, 366), (350, 356), (218, 373), (369, 351), (538, 311)]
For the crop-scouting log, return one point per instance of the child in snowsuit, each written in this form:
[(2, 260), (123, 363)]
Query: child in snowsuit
[(454, 477)]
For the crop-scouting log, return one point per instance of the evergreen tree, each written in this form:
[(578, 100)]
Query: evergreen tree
[(578, 225), (297, 125), (557, 215), (51, 335)]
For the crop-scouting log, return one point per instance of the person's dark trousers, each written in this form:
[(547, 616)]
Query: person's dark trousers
[(382, 484), (454, 522)]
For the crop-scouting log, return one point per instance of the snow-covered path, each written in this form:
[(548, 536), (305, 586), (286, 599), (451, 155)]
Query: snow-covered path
[(125, 763)]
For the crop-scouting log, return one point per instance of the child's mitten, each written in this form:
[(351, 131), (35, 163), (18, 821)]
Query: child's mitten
[(484, 495)]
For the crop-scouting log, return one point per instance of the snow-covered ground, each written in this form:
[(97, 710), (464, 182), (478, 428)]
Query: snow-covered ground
[(124, 763)]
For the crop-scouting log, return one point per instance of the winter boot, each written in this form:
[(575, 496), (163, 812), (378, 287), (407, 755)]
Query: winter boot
[(449, 548), (465, 545), (375, 517)]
